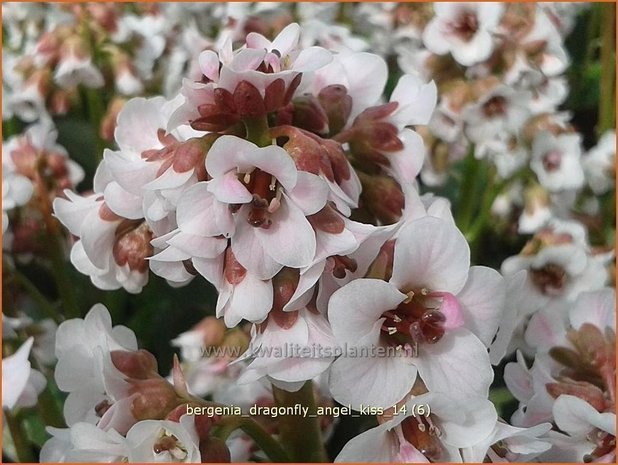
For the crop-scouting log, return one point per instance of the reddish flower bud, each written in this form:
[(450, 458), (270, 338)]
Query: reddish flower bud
[(308, 114), (214, 450), (337, 106), (140, 364), (248, 101), (382, 195), (153, 398)]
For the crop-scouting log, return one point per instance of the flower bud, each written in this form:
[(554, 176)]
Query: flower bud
[(214, 450), (308, 114), (383, 197), (153, 398), (108, 123), (337, 106), (139, 364)]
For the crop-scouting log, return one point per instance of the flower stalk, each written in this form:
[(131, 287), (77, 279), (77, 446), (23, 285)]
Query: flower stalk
[(300, 434)]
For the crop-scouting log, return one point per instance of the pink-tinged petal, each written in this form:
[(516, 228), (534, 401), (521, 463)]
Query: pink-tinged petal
[(227, 153), (211, 269), (482, 301), (287, 39), (451, 309), (519, 379), (446, 365), (362, 380), (248, 249), (367, 74), (16, 370), (98, 237), (123, 203), (431, 253), (247, 59), (417, 101), (547, 327), (251, 300), (578, 418), (200, 213), (595, 307), (374, 445), (290, 240), (463, 424), (407, 163), (257, 41), (209, 64), (198, 246), (73, 211), (312, 59), (433, 36), (410, 454), (310, 193), (138, 124), (307, 280), (170, 179), (354, 309), (273, 160), (229, 189), (129, 170)]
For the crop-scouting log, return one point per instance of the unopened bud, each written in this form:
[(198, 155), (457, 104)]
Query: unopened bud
[(382, 195), (139, 364), (337, 105), (214, 450), (309, 114), (154, 398), (108, 123)]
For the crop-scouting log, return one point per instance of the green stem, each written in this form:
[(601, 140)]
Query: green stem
[(20, 439), (265, 441), (36, 295), (466, 204), (49, 409), (300, 435), (61, 276), (492, 191), (257, 131), (607, 109), (95, 114)]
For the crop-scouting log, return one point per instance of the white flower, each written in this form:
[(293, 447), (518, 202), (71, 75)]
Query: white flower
[(16, 192), (84, 442), (164, 441), (463, 29), (21, 384), (556, 160), (434, 301), (413, 438), (86, 372), (600, 164)]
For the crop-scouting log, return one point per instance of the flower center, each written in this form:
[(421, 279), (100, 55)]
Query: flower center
[(422, 433), (552, 161), (465, 26), (419, 318), (550, 279), (170, 444), (266, 197), (495, 106)]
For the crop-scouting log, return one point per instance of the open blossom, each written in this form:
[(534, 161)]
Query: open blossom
[(570, 341), (556, 160), (430, 304), (413, 438), (600, 164), (559, 263), (463, 29)]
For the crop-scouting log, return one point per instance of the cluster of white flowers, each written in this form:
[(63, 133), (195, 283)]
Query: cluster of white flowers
[(278, 171)]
